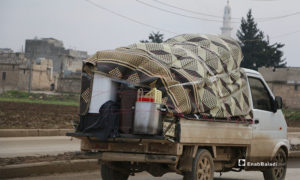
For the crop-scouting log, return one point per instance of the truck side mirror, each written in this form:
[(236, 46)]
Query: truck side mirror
[(277, 103)]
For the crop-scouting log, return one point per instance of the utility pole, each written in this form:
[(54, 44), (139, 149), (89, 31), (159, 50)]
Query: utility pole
[(30, 75)]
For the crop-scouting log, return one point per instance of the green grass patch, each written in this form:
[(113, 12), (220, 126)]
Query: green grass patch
[(58, 99), (291, 114)]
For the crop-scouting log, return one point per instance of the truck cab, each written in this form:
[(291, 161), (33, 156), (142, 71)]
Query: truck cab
[(269, 128)]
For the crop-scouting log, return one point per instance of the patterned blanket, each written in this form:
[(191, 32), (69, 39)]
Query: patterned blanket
[(197, 74)]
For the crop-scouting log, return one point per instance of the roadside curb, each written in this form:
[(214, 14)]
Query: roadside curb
[(43, 168), (293, 129), (294, 154), (33, 132)]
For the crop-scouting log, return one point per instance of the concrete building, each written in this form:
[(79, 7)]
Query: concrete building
[(53, 66), (70, 65), (226, 29), (6, 50), (9, 69), (42, 76), (76, 54), (15, 72), (48, 48), (284, 82), (53, 49)]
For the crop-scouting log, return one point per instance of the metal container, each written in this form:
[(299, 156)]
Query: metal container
[(147, 118)]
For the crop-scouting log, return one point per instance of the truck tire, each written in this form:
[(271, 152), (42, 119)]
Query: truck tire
[(277, 173), (108, 173), (202, 168)]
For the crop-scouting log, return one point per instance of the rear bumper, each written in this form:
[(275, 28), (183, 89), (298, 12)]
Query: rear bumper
[(143, 158), (127, 136), (129, 157)]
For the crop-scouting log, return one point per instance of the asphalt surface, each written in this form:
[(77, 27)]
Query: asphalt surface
[(52, 145), (37, 146), (292, 174)]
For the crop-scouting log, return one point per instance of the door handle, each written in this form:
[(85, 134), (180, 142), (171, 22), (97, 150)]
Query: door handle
[(256, 121)]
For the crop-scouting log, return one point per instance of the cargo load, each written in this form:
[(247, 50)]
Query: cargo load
[(197, 77), (197, 74)]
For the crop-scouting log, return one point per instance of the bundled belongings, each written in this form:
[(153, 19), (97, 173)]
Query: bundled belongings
[(196, 74), (103, 125)]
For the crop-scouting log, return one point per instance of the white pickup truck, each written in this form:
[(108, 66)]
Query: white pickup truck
[(202, 147)]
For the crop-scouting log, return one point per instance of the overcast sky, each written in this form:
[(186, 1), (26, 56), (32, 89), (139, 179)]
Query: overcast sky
[(83, 26)]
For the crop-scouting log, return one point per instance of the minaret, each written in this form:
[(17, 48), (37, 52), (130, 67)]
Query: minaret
[(226, 29)]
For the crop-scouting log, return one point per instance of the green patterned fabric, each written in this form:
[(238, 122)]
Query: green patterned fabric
[(196, 73)]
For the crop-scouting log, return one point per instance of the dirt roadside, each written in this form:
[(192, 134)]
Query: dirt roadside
[(32, 159), (16, 115)]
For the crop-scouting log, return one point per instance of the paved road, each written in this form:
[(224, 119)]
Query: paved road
[(292, 174), (52, 145), (28, 146), (36, 146)]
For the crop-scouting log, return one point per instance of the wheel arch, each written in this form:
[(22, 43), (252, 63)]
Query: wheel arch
[(210, 149), (284, 145)]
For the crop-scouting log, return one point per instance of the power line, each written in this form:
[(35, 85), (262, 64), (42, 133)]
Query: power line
[(179, 14), (278, 17), (187, 10), (165, 30), (261, 19), (273, 37), (128, 18), (286, 34)]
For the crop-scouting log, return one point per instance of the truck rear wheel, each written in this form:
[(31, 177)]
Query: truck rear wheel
[(109, 173), (203, 167), (278, 172)]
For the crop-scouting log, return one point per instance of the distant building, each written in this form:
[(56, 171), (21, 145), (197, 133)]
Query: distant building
[(42, 76), (226, 29), (70, 83), (6, 50), (69, 65), (284, 82), (51, 66), (53, 49), (9, 69), (15, 72)]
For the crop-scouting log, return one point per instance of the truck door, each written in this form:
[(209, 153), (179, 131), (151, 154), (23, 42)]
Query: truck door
[(268, 126)]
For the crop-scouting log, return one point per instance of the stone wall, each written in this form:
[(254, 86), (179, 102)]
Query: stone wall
[(280, 74), (15, 73), (42, 75), (9, 70), (9, 76), (290, 94), (284, 82), (71, 64), (72, 84)]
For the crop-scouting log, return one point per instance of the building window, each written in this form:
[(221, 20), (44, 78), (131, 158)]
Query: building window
[(13, 66), (24, 71), (296, 87), (3, 76)]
